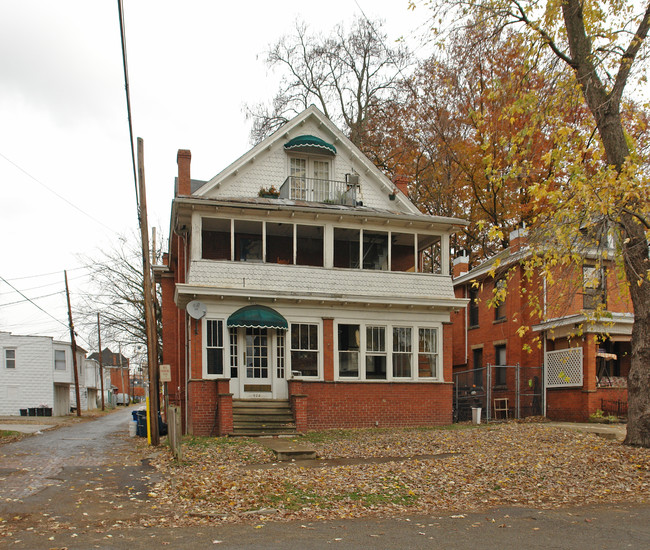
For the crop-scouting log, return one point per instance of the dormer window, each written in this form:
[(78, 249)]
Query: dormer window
[(309, 179)]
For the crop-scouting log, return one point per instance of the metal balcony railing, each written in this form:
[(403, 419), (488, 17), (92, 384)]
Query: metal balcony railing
[(318, 190)]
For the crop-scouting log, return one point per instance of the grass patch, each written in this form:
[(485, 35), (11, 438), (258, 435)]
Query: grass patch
[(207, 442), (9, 433), (295, 499), (325, 436)]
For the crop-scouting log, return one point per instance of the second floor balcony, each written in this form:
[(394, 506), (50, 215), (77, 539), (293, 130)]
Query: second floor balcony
[(321, 190)]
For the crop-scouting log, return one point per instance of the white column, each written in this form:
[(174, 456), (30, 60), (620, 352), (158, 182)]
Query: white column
[(328, 246), (195, 251)]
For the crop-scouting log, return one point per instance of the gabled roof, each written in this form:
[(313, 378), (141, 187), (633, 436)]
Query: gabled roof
[(109, 358), (501, 260), (338, 140)]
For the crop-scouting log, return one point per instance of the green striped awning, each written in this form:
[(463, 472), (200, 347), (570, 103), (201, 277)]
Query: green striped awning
[(257, 316), (310, 144)]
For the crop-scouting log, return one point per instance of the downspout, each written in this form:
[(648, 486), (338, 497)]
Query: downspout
[(465, 295), (544, 376)]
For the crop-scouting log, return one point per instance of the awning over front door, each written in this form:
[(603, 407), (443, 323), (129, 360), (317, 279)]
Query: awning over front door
[(257, 316)]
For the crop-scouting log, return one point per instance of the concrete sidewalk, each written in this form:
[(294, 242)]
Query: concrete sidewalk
[(608, 431)]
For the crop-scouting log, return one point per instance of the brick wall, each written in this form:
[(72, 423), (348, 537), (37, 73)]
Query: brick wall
[(202, 403), (363, 405)]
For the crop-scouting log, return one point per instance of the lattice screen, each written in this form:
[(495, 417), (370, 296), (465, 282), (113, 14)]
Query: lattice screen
[(564, 368)]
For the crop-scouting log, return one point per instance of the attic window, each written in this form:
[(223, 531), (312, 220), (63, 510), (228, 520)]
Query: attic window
[(310, 145)]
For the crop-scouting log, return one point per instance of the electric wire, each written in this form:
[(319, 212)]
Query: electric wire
[(55, 193), (44, 311), (128, 101)]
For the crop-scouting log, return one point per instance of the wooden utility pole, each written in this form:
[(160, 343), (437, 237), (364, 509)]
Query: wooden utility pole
[(149, 313), (74, 346), (101, 364)]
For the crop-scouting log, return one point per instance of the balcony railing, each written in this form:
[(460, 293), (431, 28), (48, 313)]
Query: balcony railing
[(318, 190)]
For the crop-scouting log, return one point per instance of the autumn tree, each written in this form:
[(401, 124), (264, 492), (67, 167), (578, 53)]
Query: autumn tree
[(344, 74), (471, 130), (116, 293), (603, 43)]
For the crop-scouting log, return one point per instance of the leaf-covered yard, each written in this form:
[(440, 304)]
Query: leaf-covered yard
[(509, 464)]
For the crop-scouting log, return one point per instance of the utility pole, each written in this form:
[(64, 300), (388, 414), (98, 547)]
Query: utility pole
[(101, 364), (149, 313), (74, 346)]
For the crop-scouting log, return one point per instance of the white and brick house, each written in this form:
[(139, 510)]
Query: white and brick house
[(35, 371), (300, 274)]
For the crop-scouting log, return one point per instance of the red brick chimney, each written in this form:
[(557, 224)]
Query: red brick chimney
[(183, 160), (518, 239), (402, 183), (460, 265)]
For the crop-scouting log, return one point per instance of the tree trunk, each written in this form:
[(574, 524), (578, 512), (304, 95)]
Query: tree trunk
[(606, 110), (638, 380)]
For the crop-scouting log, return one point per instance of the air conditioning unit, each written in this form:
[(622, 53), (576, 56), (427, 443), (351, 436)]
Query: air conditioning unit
[(352, 179)]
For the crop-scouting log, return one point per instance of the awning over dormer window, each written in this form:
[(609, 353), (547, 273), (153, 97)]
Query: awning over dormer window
[(310, 144), (257, 316)]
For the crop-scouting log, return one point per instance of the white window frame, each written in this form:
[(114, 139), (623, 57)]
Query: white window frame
[(7, 360), (65, 360), (310, 172), (225, 350), (376, 353), (289, 349), (415, 333)]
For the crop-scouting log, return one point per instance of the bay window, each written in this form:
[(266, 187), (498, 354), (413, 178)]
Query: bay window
[(400, 353)]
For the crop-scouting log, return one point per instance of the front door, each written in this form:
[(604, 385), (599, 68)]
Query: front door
[(257, 379)]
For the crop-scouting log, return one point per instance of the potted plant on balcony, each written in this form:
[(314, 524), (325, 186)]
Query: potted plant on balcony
[(391, 196), (270, 193)]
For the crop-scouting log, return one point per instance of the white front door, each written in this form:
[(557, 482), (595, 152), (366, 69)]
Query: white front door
[(263, 360)]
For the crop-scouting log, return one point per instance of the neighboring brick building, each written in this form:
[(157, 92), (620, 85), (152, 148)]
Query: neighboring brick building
[(569, 366), (117, 365), (332, 296)]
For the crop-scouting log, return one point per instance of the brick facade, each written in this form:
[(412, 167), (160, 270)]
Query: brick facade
[(525, 346)]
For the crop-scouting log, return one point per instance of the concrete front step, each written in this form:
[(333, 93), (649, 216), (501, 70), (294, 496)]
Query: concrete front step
[(287, 449), (262, 417)]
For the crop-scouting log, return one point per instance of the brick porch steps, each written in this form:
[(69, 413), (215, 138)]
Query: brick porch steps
[(259, 417)]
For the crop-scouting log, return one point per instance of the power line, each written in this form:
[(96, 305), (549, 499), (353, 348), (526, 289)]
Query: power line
[(47, 274), (128, 101), (50, 284), (33, 303), (55, 193), (36, 298), (39, 307)]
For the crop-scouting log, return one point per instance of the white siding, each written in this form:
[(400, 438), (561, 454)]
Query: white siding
[(271, 168), (30, 384)]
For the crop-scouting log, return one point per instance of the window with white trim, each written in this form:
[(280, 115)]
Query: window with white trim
[(234, 361), (59, 359), (279, 354), (375, 353), (10, 358), (214, 346), (402, 352), (304, 349), (428, 353), (349, 345)]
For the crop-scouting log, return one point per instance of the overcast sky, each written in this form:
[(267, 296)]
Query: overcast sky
[(193, 64)]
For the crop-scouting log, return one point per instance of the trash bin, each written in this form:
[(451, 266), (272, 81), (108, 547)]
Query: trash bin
[(476, 415), (162, 426), (23, 412), (133, 428), (141, 430), (32, 411)]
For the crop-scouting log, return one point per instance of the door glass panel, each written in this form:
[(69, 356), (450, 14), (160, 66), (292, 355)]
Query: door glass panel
[(257, 353), (298, 173)]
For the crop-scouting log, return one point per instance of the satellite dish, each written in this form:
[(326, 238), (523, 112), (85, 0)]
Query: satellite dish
[(196, 309)]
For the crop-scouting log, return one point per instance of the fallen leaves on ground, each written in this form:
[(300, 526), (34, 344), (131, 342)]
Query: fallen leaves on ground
[(508, 464)]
